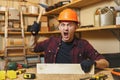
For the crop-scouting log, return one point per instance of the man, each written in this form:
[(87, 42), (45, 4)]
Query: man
[(68, 48)]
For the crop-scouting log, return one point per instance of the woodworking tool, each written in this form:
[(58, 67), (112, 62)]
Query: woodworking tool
[(29, 76)]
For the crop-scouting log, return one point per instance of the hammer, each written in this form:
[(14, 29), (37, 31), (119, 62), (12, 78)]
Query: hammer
[(43, 7)]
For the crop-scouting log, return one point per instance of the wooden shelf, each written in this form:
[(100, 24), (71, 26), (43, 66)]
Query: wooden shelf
[(1, 32), (43, 33), (78, 30), (99, 28), (2, 12), (30, 14), (75, 4), (25, 14), (2, 20), (28, 54)]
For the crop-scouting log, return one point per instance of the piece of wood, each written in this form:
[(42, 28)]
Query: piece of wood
[(61, 69)]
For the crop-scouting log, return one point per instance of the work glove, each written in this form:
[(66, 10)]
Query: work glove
[(35, 28), (86, 65)]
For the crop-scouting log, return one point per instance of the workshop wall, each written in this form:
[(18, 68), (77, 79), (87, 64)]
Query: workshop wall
[(104, 41)]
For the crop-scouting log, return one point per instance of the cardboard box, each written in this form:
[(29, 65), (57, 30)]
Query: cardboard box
[(14, 14), (44, 24), (44, 19), (44, 29), (15, 42)]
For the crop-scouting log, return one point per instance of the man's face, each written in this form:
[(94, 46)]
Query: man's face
[(67, 30)]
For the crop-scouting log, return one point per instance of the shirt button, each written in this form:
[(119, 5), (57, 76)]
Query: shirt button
[(49, 51), (79, 54), (58, 48), (96, 53), (59, 43)]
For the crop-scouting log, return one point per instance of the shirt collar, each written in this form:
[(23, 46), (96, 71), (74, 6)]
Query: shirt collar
[(74, 41)]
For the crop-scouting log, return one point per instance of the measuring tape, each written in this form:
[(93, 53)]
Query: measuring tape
[(29, 76)]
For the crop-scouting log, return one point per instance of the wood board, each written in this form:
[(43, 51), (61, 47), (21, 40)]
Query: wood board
[(61, 69)]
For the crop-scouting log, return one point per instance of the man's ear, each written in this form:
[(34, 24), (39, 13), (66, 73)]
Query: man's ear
[(58, 27), (76, 26)]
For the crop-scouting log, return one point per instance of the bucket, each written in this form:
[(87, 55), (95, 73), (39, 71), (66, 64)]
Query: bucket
[(107, 17), (104, 17)]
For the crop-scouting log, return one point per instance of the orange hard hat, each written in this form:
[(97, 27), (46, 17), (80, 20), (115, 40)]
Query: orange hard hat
[(68, 15)]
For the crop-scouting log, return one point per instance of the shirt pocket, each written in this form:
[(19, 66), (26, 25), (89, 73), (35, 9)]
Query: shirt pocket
[(81, 56), (49, 56)]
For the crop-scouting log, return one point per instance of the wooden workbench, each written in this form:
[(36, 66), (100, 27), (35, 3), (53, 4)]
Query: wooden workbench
[(60, 76)]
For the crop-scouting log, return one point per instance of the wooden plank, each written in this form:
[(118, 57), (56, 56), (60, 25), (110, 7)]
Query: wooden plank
[(61, 69)]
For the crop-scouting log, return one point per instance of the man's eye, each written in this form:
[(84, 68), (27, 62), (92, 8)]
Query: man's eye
[(63, 25), (69, 25)]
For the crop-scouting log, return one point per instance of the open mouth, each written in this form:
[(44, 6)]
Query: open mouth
[(66, 34)]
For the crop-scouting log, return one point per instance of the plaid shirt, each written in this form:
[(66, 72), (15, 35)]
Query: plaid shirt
[(81, 50)]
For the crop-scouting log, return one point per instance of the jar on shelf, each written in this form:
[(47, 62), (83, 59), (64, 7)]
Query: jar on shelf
[(97, 17), (118, 18)]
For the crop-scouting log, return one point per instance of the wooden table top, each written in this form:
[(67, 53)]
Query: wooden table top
[(60, 76)]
